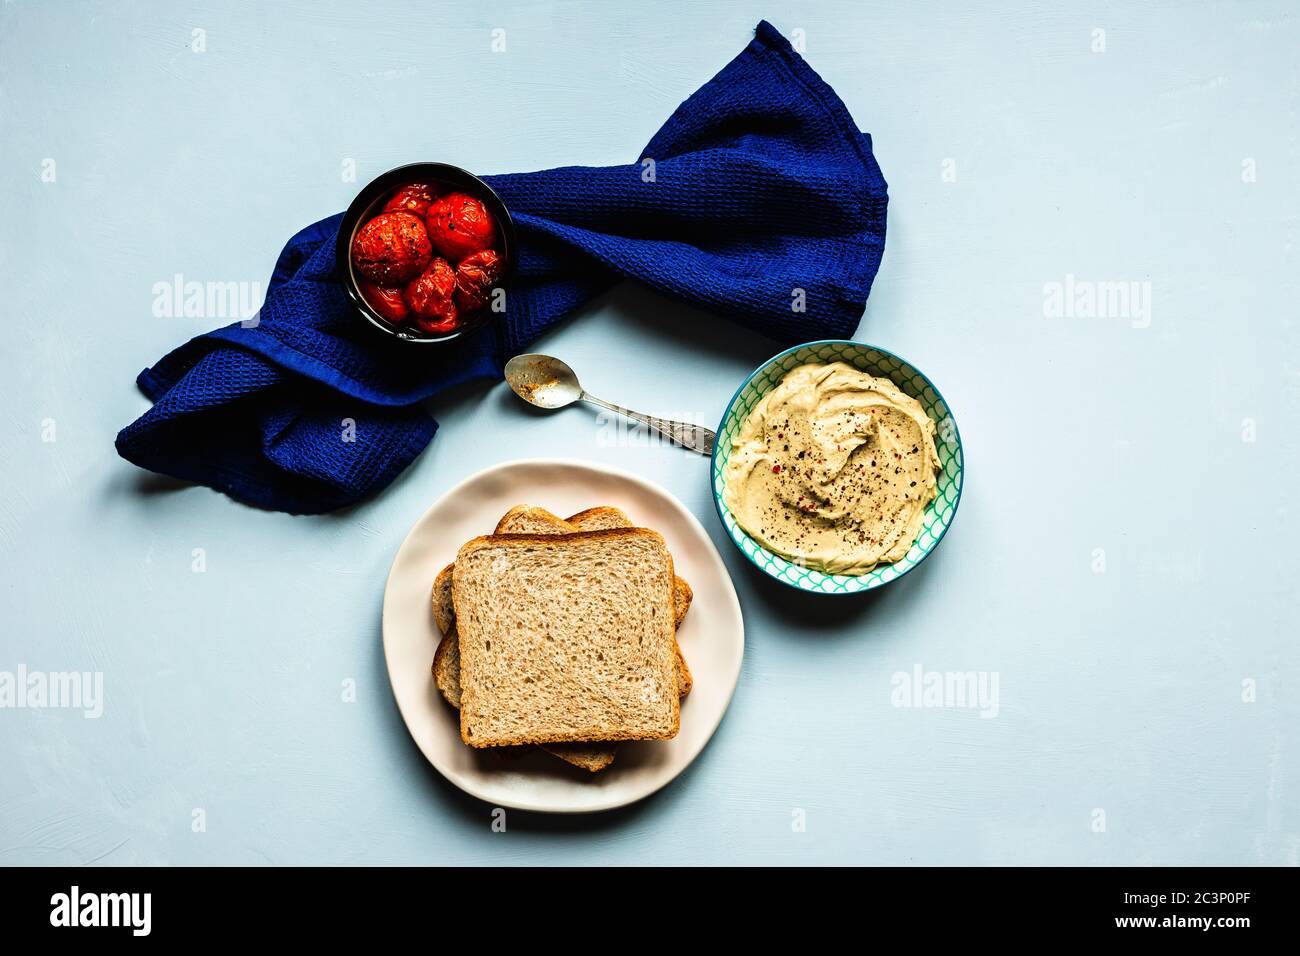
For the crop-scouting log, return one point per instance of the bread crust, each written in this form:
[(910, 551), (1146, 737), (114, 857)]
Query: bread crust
[(441, 675), (589, 757), (554, 540), (541, 514), (441, 584), (601, 511)]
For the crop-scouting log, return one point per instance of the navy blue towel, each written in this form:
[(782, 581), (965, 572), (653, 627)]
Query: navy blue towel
[(762, 185)]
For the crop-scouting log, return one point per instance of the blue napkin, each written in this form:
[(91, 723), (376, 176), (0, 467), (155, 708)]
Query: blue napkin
[(762, 185)]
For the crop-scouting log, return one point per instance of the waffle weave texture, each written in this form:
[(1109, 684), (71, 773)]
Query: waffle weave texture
[(762, 185)]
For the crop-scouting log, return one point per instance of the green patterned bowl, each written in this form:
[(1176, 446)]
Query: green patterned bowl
[(878, 362)]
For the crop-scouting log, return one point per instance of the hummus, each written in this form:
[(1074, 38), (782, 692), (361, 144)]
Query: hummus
[(834, 469)]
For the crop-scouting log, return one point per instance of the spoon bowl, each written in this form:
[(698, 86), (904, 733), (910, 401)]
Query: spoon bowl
[(543, 381)]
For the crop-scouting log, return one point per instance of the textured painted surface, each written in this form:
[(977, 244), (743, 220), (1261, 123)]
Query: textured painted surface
[(1159, 444)]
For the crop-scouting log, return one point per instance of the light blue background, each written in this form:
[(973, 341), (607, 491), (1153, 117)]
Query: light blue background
[(1120, 691)]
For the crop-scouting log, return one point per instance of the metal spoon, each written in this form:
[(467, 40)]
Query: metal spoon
[(547, 382)]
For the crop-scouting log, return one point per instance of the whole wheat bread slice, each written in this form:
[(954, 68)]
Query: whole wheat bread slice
[(566, 638), (523, 519)]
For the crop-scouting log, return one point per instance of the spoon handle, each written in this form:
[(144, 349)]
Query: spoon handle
[(695, 437)]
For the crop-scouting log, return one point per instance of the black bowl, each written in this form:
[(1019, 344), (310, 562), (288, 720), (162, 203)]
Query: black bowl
[(368, 204)]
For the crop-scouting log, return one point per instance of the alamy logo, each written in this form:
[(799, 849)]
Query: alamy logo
[(75, 908), (1107, 299), (191, 299), (615, 431), (960, 690), (58, 690)]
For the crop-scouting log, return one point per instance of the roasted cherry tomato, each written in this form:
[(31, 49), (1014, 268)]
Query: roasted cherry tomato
[(475, 277), (386, 300), (415, 198), (460, 225), (431, 297), (392, 248), (438, 326)]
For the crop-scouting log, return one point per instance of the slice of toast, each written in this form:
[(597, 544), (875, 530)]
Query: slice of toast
[(566, 638), (522, 519)]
